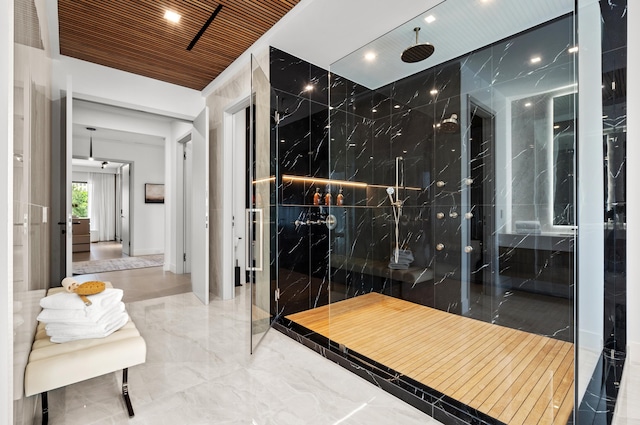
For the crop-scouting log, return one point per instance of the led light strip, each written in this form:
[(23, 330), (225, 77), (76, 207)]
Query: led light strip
[(324, 181)]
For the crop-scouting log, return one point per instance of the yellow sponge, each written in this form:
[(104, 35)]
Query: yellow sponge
[(90, 288)]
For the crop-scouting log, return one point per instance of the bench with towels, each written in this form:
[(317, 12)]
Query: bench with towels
[(75, 342)]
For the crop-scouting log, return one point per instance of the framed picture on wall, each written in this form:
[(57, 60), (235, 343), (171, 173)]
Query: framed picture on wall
[(153, 193)]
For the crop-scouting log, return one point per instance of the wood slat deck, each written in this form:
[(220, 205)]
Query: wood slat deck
[(511, 375)]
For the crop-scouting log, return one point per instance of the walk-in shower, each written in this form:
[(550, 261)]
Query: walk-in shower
[(442, 162)]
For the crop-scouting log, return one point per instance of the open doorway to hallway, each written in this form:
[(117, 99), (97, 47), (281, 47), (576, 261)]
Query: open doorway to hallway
[(100, 216)]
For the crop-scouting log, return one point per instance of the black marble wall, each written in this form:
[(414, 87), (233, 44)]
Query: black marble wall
[(614, 106), (374, 134), (300, 139)]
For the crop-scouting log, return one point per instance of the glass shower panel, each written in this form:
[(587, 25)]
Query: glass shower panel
[(465, 211), (260, 216)]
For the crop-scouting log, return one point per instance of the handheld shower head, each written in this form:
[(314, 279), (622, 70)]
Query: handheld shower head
[(390, 190)]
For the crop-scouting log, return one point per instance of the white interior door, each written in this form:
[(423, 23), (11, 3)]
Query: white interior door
[(125, 212), (186, 205), (200, 207), (69, 179)]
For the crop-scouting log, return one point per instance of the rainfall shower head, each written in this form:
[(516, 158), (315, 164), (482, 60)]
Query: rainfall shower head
[(418, 52), (449, 125)]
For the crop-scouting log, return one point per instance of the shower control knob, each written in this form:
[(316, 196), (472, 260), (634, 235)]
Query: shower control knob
[(453, 214), (468, 215), (331, 222), (440, 215), (468, 181), (440, 247), (440, 183), (468, 249)]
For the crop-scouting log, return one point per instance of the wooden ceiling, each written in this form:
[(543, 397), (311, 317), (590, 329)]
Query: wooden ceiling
[(133, 36)]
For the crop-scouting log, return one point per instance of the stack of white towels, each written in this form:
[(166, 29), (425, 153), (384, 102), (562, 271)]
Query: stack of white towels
[(67, 317)]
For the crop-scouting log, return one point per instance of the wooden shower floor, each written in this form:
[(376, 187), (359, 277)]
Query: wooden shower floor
[(513, 376)]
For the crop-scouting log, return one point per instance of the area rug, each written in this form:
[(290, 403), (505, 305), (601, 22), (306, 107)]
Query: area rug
[(115, 264)]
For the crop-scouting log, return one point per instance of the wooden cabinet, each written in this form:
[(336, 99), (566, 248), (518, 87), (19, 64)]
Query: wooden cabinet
[(81, 235)]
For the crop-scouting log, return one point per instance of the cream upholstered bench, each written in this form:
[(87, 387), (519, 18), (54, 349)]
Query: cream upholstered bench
[(52, 365)]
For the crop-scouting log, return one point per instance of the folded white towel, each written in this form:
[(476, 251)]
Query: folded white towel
[(89, 315), (73, 336), (61, 330), (67, 301)]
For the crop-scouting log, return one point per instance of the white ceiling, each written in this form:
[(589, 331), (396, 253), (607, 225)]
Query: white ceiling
[(85, 163), (324, 31), (81, 134)]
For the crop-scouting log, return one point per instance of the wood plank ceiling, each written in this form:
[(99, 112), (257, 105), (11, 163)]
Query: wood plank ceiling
[(133, 36)]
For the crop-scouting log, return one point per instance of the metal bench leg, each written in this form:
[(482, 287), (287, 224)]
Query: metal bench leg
[(45, 408), (125, 392)]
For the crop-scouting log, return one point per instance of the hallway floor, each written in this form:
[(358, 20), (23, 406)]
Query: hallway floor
[(198, 371), (138, 284)]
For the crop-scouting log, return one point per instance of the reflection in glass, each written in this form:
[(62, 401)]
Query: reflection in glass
[(563, 159)]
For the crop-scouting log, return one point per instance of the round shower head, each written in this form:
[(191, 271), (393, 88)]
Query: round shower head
[(449, 125), (418, 52), (390, 190)]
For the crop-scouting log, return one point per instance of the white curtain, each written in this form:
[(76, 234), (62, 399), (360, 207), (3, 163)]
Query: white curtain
[(102, 205)]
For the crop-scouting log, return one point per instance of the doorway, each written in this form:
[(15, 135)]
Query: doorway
[(99, 212)]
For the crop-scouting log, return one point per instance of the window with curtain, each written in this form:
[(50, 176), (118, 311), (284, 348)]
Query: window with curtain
[(102, 208)]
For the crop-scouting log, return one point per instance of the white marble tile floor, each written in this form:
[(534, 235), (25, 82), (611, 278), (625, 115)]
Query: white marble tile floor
[(627, 411), (199, 371)]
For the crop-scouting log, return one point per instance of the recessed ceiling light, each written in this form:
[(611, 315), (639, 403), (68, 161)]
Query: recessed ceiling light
[(396, 106), (572, 49), (430, 19), (308, 87), (370, 56), (434, 92), (556, 126), (527, 104), (172, 16), (535, 59), (374, 110)]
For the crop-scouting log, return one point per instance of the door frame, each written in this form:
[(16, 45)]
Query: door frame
[(131, 184), (234, 165), (183, 198), (490, 246)]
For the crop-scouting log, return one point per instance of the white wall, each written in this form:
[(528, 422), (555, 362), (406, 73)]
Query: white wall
[(6, 216), (633, 175), (114, 87)]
